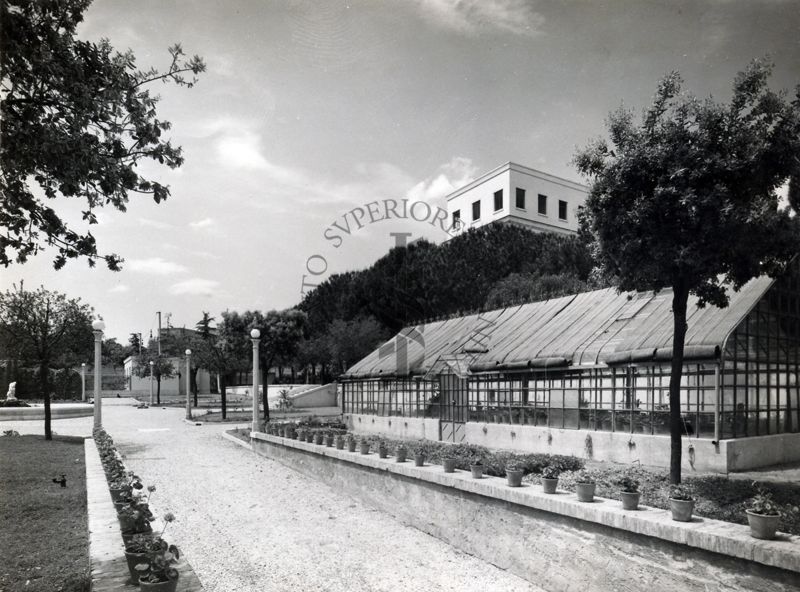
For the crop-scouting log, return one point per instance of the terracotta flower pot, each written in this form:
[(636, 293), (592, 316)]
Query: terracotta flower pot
[(630, 499), (168, 586), (339, 443), (515, 478), (329, 441), (318, 439), (477, 471), (364, 447), (400, 454), (762, 526), (549, 485), (133, 560), (585, 491), (419, 460), (449, 465), (351, 445), (383, 452), (681, 509)]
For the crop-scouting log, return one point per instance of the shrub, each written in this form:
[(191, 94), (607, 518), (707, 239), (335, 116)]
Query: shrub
[(681, 492), (762, 502), (628, 484)]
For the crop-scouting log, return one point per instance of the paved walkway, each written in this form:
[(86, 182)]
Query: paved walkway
[(247, 523)]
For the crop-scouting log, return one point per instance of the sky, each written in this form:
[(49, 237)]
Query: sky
[(311, 109)]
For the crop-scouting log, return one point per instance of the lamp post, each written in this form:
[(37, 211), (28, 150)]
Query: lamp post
[(188, 384), (83, 381), (151, 383), (255, 337), (97, 326)]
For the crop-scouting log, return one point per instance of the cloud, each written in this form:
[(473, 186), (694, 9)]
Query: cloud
[(155, 265), (473, 16), (155, 224), (204, 223), (241, 151), (194, 286), (447, 178), (119, 289)]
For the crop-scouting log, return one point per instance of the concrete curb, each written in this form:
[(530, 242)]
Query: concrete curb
[(106, 549), (236, 440), (192, 422), (715, 536)]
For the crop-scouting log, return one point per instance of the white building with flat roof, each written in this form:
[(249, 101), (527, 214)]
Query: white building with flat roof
[(512, 193)]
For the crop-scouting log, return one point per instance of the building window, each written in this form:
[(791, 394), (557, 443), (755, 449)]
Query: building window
[(476, 210), (457, 219), (562, 210), (520, 198), (543, 204), (498, 200)]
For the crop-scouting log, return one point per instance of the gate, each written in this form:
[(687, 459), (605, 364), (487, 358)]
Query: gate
[(454, 397)]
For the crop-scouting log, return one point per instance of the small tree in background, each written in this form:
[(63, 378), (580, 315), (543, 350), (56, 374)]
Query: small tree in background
[(41, 327), (687, 199), (162, 366)]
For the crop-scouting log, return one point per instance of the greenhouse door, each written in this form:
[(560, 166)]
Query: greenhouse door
[(454, 397)]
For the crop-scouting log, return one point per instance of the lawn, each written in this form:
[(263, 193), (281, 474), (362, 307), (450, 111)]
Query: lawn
[(44, 536)]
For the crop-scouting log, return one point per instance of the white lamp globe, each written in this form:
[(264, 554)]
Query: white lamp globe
[(83, 364), (255, 333), (151, 362), (98, 325), (188, 352)]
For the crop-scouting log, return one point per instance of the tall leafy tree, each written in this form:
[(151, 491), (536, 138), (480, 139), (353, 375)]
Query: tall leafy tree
[(41, 326), (687, 200), (78, 119)]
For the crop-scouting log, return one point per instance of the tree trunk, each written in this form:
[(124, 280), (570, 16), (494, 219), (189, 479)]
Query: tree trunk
[(193, 383), (680, 298), (158, 390), (43, 376), (222, 395)]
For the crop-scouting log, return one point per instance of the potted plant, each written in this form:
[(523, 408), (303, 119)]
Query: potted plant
[(364, 446), (449, 464), (585, 484), (763, 514), (514, 474), (419, 457), (476, 466), (135, 517), (136, 550), (351, 443), (123, 484), (301, 434), (329, 438), (383, 451), (319, 438), (550, 479), (629, 492), (339, 442), (157, 572), (681, 502), (400, 453)]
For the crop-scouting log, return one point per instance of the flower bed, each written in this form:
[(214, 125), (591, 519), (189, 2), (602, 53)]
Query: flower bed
[(151, 560)]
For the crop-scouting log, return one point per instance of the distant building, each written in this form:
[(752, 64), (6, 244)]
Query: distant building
[(512, 193)]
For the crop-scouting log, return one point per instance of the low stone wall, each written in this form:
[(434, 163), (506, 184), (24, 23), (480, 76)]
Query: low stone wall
[(553, 540), (405, 428), (61, 411), (316, 396), (762, 451)]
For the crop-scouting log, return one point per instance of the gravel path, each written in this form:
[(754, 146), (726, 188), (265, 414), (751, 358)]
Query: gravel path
[(247, 523)]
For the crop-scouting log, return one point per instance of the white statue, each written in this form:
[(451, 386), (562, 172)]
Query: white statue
[(11, 395)]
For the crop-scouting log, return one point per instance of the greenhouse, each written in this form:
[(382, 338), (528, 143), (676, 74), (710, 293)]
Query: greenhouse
[(597, 362)]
